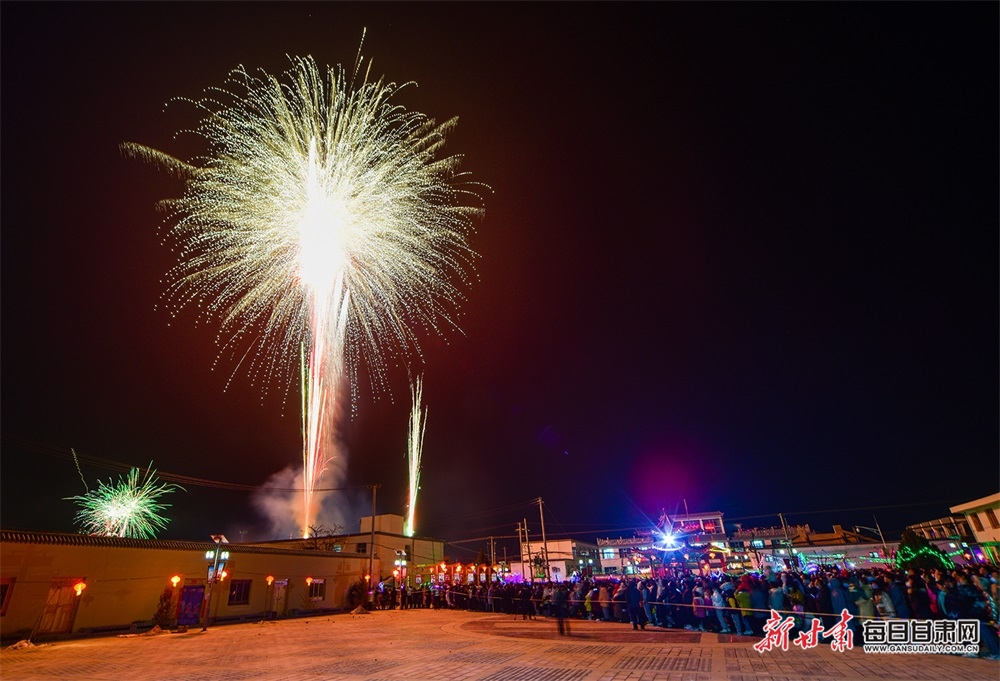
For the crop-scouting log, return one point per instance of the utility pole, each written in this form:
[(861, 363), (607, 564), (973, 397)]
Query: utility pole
[(526, 546), (885, 549), (371, 548), (857, 528), (545, 544), (493, 559), (781, 516), (520, 548)]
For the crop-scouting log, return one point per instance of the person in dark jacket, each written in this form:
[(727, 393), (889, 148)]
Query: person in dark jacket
[(648, 593), (839, 599), (633, 600), (823, 603), (560, 601), (685, 617), (968, 601), (759, 603), (920, 602), (897, 594)]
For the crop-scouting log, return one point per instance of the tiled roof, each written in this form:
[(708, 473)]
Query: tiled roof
[(64, 539)]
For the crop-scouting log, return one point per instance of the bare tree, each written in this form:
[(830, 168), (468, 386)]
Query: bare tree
[(325, 538)]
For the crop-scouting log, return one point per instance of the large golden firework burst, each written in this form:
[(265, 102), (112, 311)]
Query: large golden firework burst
[(322, 224)]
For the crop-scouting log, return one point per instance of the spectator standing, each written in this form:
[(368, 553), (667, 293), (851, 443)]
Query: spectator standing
[(560, 600), (776, 596), (897, 593), (648, 596), (719, 603), (742, 615), (604, 597), (758, 601), (633, 600), (920, 602), (698, 608)]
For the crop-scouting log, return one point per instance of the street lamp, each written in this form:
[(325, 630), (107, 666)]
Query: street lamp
[(401, 571), (213, 572), (269, 596)]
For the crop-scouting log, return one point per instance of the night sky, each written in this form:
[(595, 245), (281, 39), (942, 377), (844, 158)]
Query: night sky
[(743, 256)]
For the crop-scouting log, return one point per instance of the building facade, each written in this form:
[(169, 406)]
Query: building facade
[(556, 560), (950, 527), (58, 584), (400, 559), (982, 515)]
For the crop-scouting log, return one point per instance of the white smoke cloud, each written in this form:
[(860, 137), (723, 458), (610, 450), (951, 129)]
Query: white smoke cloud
[(280, 503)]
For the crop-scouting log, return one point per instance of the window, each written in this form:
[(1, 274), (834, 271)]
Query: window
[(239, 592), (317, 590), (976, 522), (6, 589), (607, 554), (758, 543), (362, 548), (992, 517)]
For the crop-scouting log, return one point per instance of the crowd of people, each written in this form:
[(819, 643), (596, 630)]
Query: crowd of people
[(737, 605)]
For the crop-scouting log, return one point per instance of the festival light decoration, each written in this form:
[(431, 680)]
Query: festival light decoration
[(321, 229), (905, 554)]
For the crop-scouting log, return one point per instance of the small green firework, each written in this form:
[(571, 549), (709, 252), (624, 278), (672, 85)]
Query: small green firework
[(128, 508)]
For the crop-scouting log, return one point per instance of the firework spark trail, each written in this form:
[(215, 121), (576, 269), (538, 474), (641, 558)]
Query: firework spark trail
[(128, 508), (321, 219), (414, 450), (324, 370)]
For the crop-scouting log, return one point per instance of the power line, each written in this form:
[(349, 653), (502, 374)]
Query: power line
[(37, 447), (492, 536), (597, 530)]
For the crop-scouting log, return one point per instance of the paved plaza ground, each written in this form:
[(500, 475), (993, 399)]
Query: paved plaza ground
[(458, 646)]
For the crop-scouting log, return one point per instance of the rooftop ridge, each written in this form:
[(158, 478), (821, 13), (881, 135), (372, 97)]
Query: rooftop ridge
[(67, 539)]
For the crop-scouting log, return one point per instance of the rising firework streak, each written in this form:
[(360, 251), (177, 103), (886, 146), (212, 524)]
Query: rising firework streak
[(414, 450)]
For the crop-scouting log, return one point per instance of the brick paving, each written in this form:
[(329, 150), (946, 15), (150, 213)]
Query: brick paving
[(459, 646)]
